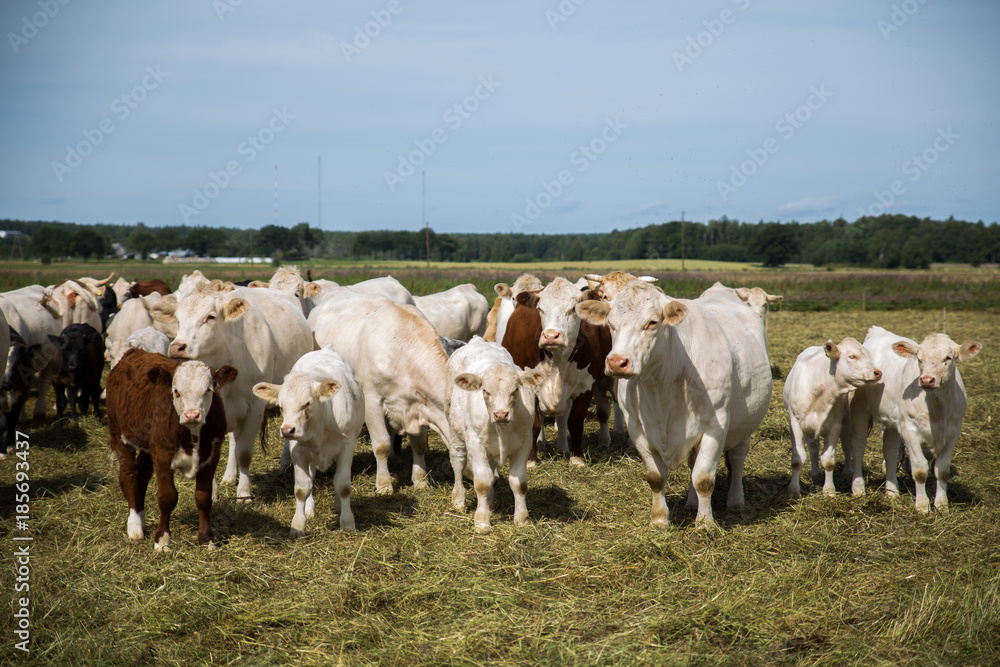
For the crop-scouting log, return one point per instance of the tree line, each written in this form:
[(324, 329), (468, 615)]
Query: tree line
[(887, 241)]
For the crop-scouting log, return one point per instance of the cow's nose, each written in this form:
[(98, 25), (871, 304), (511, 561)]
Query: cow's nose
[(927, 381), (616, 364), (501, 416), (287, 431), (192, 416), (878, 374), (552, 337), (178, 349)]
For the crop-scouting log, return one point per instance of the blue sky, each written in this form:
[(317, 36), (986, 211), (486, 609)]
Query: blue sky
[(540, 117)]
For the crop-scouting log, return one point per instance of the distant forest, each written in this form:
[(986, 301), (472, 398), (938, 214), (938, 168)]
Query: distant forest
[(887, 241)]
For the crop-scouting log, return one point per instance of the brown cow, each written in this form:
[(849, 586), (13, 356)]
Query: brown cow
[(146, 287), (524, 329), (165, 415)]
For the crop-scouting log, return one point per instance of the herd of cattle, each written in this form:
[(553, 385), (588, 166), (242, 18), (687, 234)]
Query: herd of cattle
[(691, 379)]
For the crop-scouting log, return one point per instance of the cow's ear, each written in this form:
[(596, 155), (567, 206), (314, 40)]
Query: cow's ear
[(904, 349), (51, 305), (224, 375), (164, 310), (532, 377), (742, 292), (267, 392), (831, 350), (595, 312), (503, 290), (968, 350), (527, 299), (56, 339), (236, 308), (311, 289), (587, 295), (159, 375), (258, 283), (228, 286), (674, 312), (328, 388), (469, 382), (775, 298)]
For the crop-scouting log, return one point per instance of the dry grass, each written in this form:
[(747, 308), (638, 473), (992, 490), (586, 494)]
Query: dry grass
[(818, 581)]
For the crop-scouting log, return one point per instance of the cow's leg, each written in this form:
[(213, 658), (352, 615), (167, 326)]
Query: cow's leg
[(562, 432), (304, 474), (246, 435), (540, 441), (203, 488), (828, 458), (166, 499), (577, 415), (342, 485), (232, 470), (418, 447), (918, 468), (942, 471), (381, 442), (128, 479), (656, 475), (458, 452), (846, 432), (517, 478), (60, 391), (603, 413), (890, 452), (860, 419), (620, 426), (735, 459), (482, 478), (703, 475), (44, 382), (798, 457), (72, 394), (536, 428)]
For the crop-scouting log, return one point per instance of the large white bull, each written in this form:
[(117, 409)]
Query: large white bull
[(920, 401), (34, 317), (402, 368), (458, 313), (694, 381), (259, 332)]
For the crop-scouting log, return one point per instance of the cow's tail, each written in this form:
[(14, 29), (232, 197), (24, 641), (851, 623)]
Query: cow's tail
[(263, 433)]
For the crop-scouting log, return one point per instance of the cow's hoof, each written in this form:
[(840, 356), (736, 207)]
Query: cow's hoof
[(532, 464), (295, 533), (577, 461), (244, 500), (829, 492), (482, 528), (383, 490), (211, 546)]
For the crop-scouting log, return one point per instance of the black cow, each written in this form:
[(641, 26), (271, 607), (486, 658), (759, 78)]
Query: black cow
[(108, 301), (16, 384), (83, 361)]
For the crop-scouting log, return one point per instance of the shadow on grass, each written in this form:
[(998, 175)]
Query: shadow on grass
[(63, 435)]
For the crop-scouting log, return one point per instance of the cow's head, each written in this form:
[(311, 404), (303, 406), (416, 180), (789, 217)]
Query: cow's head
[(297, 398), (192, 386), (556, 305), (757, 299), (507, 391), (637, 316), (203, 320), (937, 355), (607, 287), (852, 362), (76, 342)]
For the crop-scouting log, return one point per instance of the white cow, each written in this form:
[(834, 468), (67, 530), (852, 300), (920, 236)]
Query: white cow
[(147, 338), (402, 368), (259, 332), (492, 420), (816, 393), (73, 302), (607, 286), (135, 315), (121, 289), (696, 384), (34, 317), (921, 402), (322, 412), (289, 279), (458, 313), (386, 286)]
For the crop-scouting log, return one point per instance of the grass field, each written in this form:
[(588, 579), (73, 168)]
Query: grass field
[(816, 581)]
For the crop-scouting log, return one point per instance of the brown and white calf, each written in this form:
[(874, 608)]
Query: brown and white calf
[(164, 415), (492, 413), (920, 402), (322, 412), (816, 394)]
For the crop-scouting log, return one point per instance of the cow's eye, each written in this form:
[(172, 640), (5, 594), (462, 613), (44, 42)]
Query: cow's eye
[(486, 393), (307, 405), (948, 358), (651, 324), (853, 356), (177, 394), (210, 318)]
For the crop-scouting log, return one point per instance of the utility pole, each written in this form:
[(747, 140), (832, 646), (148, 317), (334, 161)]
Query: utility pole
[(682, 242), (251, 246), (423, 215), (319, 191), (275, 195)]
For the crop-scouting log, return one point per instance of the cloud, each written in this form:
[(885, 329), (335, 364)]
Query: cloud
[(808, 205)]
